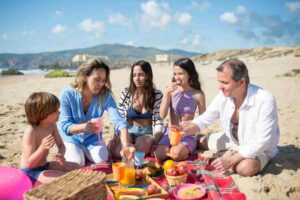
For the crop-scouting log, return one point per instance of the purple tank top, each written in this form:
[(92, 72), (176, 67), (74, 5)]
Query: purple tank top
[(184, 103)]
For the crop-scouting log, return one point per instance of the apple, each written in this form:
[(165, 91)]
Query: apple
[(151, 189), (172, 171), (182, 170), (139, 175)]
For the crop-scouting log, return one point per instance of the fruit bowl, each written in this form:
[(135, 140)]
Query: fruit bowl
[(176, 180), (189, 191)]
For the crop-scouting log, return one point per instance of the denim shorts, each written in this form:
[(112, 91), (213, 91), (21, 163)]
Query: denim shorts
[(136, 131), (33, 173), (189, 141)]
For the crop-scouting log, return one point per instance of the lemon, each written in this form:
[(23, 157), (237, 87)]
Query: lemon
[(168, 164)]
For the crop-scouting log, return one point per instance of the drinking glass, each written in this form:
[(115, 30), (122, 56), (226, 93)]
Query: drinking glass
[(118, 171), (99, 122), (175, 135)]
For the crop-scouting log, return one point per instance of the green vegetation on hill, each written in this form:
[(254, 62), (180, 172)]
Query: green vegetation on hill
[(57, 73), (11, 72)]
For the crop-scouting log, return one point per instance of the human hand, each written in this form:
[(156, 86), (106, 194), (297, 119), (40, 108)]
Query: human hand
[(47, 142), (91, 127), (221, 164), (171, 88), (60, 158), (128, 152), (189, 128), (184, 124), (175, 128)]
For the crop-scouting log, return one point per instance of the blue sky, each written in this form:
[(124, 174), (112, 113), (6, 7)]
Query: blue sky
[(31, 26)]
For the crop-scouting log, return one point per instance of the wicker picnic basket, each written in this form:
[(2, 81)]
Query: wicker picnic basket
[(78, 184)]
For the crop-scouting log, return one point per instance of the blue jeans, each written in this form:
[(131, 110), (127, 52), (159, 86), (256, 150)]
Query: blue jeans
[(136, 131)]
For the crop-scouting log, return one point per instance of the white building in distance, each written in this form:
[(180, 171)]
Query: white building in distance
[(166, 57), (162, 58), (85, 57)]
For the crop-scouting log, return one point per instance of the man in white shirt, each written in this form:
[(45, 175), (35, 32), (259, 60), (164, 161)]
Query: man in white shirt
[(249, 118)]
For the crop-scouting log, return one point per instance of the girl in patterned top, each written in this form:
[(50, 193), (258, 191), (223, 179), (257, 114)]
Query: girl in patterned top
[(140, 105)]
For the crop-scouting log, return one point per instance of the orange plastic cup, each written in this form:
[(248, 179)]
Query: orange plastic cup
[(175, 136), (118, 170)]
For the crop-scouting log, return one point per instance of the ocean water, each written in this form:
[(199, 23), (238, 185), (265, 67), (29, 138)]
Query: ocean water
[(34, 70)]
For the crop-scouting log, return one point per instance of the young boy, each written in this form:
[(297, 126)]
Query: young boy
[(41, 109)]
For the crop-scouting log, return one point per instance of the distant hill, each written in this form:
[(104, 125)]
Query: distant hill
[(115, 52), (255, 53)]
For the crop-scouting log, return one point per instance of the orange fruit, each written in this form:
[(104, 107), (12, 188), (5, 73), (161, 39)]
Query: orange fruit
[(168, 164)]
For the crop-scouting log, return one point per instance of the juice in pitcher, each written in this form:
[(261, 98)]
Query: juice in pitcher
[(129, 176)]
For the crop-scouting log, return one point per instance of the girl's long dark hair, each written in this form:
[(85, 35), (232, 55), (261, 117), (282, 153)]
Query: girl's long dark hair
[(149, 87), (189, 66)]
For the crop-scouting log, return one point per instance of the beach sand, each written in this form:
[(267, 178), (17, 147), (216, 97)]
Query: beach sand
[(279, 180)]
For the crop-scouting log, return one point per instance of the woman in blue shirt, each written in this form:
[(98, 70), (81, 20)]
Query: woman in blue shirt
[(88, 98)]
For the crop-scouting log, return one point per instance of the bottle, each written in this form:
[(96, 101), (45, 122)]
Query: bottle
[(129, 175)]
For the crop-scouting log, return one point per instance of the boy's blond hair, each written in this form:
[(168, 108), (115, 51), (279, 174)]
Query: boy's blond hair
[(39, 106)]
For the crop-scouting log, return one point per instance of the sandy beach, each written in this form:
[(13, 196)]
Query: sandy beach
[(279, 180)]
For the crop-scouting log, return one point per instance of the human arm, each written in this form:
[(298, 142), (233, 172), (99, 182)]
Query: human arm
[(208, 117), (34, 154), (59, 157), (120, 123), (88, 126), (166, 100), (223, 164), (70, 106), (201, 103)]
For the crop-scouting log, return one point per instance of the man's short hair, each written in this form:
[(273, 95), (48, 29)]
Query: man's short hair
[(238, 68)]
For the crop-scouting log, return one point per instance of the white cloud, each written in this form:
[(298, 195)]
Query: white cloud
[(155, 14), (96, 27), (59, 29), (59, 13), (29, 32), (184, 41), (5, 36), (293, 6), (229, 17), (119, 19), (240, 10), (196, 41), (203, 5), (129, 43), (183, 18)]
